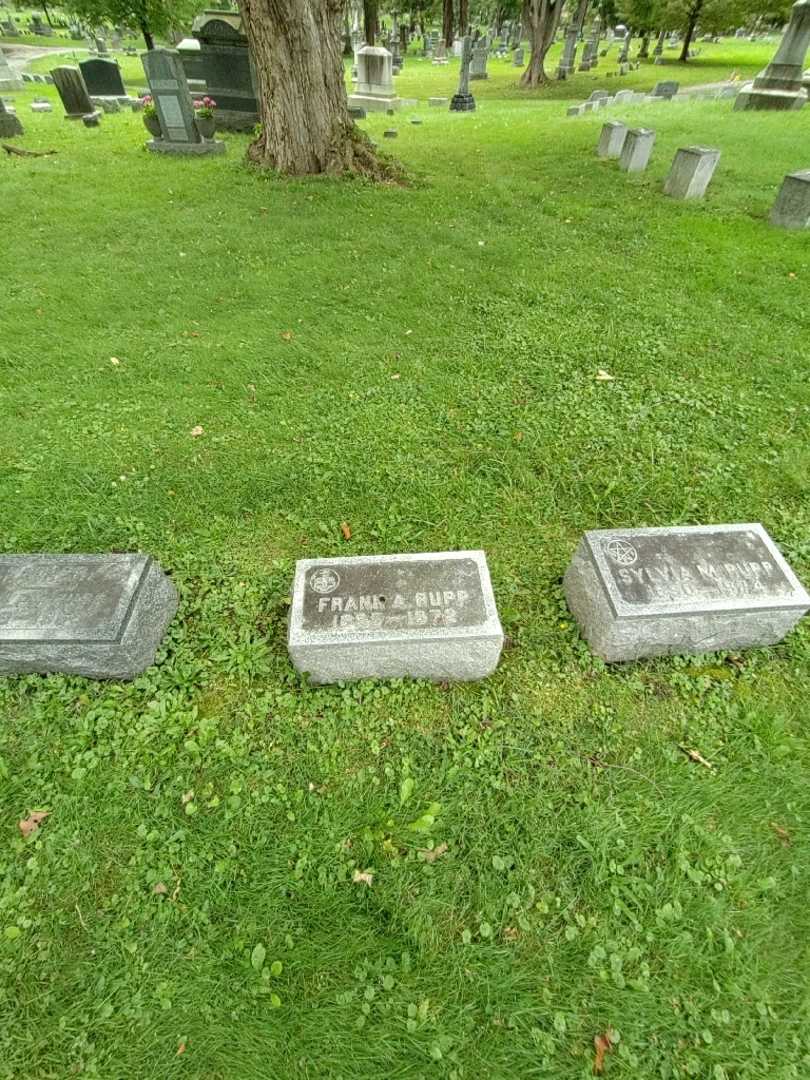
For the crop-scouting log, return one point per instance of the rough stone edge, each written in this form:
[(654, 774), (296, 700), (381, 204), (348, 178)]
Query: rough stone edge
[(466, 660)]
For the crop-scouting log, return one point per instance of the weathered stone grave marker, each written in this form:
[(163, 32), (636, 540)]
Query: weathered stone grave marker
[(780, 84), (167, 82), (638, 145), (462, 100), (612, 139), (375, 80), (691, 171), (792, 207), (9, 79), (687, 589), (98, 615), (102, 78), (429, 616), (10, 125)]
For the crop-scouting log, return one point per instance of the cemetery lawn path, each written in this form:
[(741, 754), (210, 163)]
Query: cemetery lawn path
[(242, 877)]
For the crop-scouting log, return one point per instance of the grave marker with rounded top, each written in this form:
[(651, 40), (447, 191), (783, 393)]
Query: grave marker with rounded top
[(691, 171), (689, 589), (636, 151), (792, 207), (428, 616), (103, 616), (10, 125), (612, 139)]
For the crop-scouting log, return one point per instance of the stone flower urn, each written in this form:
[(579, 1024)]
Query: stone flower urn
[(206, 125), (152, 124)]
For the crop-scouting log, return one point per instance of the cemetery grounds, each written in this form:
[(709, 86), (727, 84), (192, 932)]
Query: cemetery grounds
[(244, 877)]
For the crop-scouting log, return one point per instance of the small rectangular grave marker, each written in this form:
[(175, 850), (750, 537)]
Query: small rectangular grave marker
[(792, 207), (636, 150), (612, 139), (688, 589), (429, 616), (691, 171), (97, 615)]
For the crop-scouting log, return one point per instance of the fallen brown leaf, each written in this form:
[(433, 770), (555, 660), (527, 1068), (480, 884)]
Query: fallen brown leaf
[(602, 1045), (363, 877), (603, 376), (782, 833), (196, 431), (346, 530), (436, 853), (287, 335), (160, 889), (30, 825), (176, 892), (511, 933), (181, 1049), (187, 797), (697, 757)]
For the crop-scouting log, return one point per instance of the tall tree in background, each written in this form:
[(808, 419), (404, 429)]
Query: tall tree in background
[(150, 16), (463, 17), (296, 47), (541, 18), (447, 22), (370, 24)]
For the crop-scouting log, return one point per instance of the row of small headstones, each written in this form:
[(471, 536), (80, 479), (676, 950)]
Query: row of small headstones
[(106, 104), (693, 168), (665, 91)]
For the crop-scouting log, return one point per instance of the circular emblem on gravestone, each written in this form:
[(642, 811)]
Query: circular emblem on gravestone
[(622, 553), (324, 580)]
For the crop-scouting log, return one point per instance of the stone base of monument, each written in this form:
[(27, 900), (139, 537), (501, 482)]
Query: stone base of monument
[(638, 593), (102, 616), (164, 146), (427, 616), (462, 103), (373, 103), (752, 97)]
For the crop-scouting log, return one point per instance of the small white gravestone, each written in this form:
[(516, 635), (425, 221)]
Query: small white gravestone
[(792, 207), (688, 589), (375, 80), (428, 616), (612, 139), (691, 171), (636, 151)]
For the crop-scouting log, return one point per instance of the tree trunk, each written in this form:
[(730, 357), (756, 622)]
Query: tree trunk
[(447, 23), (301, 90), (147, 34), (694, 15), (370, 21), (463, 17), (541, 17), (644, 52)]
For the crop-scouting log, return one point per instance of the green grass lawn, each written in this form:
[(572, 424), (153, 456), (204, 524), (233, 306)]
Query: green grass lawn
[(419, 362)]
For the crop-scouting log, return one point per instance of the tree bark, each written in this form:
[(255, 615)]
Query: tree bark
[(370, 21), (541, 17), (301, 90), (447, 23), (644, 52), (693, 16), (147, 34), (463, 17)]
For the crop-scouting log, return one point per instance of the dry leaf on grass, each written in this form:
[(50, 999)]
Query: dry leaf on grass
[(181, 1049), (114, 360), (363, 877), (346, 530), (187, 797), (782, 833), (30, 825), (287, 335), (697, 757), (603, 376), (196, 431), (602, 1045), (436, 853), (160, 889)]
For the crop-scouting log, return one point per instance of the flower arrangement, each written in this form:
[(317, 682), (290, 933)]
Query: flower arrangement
[(204, 108), (149, 107)]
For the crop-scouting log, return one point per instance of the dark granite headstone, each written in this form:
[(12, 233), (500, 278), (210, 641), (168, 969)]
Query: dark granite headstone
[(169, 89), (224, 63), (428, 615), (103, 616), (73, 92), (9, 123), (102, 78)]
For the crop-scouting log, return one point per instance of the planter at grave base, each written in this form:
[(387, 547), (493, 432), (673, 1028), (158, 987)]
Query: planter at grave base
[(152, 124), (206, 125)]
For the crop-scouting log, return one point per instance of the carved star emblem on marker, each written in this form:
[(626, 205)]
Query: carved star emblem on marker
[(622, 553)]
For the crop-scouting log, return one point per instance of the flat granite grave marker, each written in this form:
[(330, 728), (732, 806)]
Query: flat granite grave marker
[(428, 616), (103, 616), (688, 589)]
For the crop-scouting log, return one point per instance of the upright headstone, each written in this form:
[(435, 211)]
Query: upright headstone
[(101, 45), (666, 89), (102, 616), (653, 592), (625, 49), (427, 616), (612, 139), (462, 100), (102, 78), (167, 84), (225, 64), (792, 207), (9, 123), (375, 80), (638, 145), (73, 92), (659, 45), (478, 64), (517, 59), (780, 85), (569, 53), (691, 171), (9, 79)]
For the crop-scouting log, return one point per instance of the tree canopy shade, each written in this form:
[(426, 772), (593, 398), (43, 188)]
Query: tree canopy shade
[(150, 16), (297, 52)]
